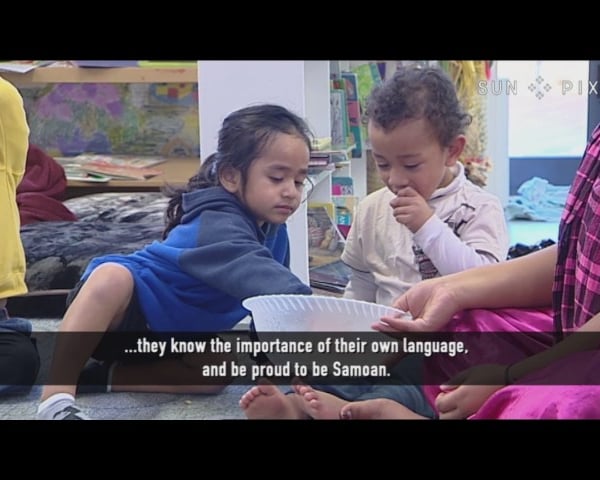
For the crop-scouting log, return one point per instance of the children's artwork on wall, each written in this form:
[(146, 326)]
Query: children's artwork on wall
[(69, 119)]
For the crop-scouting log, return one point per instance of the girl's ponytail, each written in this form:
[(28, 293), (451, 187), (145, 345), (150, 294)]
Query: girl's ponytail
[(206, 177)]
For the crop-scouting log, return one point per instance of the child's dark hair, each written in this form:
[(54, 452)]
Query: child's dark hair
[(417, 92), (242, 138)]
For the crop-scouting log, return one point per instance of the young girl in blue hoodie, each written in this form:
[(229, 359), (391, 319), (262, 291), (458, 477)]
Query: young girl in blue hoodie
[(225, 241)]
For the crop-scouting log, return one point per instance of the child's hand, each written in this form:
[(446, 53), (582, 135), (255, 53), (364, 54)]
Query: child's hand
[(410, 209)]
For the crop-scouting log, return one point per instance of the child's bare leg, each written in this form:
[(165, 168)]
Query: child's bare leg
[(318, 404), (98, 307), (378, 409), (266, 402)]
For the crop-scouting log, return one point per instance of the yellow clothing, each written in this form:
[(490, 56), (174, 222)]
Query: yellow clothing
[(14, 142)]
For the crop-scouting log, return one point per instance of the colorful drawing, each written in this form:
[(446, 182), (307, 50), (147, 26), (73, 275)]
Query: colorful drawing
[(127, 119)]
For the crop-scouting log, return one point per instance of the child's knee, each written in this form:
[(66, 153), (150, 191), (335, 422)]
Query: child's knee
[(110, 280), (112, 274)]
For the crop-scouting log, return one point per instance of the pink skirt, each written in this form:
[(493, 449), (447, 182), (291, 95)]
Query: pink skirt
[(567, 389)]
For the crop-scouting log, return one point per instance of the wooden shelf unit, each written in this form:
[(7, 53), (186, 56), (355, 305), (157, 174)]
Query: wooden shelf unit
[(175, 171), (69, 74)]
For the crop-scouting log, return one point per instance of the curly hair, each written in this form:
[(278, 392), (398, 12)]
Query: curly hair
[(419, 92)]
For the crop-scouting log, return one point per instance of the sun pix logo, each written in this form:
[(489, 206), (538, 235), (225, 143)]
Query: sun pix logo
[(539, 87)]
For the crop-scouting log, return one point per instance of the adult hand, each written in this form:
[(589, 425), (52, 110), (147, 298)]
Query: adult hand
[(410, 209), (466, 392), (431, 304)]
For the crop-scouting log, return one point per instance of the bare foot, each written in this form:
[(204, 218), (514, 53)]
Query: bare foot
[(378, 409), (318, 404), (266, 401)]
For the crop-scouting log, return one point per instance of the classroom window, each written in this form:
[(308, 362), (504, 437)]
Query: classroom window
[(548, 107)]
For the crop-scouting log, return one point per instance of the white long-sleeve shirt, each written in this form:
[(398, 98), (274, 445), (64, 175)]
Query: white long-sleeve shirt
[(468, 229)]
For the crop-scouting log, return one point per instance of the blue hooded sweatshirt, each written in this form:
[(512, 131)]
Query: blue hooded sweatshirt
[(196, 278)]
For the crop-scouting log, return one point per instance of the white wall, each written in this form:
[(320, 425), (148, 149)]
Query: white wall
[(497, 143), (225, 86)]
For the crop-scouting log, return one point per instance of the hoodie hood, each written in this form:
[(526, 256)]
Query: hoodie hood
[(217, 199)]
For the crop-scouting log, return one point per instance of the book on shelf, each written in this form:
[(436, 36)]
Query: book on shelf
[(332, 276), (340, 83), (345, 208), (353, 106), (341, 185), (121, 160), (23, 66), (325, 242), (321, 143), (339, 122), (119, 167), (75, 172), (318, 162), (349, 202), (317, 158), (120, 172), (328, 159), (329, 208), (367, 76)]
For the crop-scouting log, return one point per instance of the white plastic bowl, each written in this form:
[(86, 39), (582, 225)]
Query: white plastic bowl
[(315, 313)]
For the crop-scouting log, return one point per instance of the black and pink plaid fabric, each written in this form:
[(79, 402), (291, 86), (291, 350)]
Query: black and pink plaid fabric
[(576, 290)]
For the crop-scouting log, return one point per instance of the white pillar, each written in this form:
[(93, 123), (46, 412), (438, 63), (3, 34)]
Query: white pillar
[(316, 97)]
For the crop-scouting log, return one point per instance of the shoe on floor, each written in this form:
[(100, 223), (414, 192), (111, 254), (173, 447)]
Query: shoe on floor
[(70, 413)]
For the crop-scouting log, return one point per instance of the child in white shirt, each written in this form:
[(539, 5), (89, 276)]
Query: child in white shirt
[(428, 220)]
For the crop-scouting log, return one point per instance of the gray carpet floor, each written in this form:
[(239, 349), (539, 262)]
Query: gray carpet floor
[(130, 406), (134, 406)]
